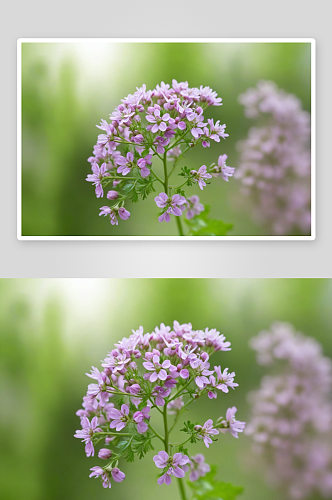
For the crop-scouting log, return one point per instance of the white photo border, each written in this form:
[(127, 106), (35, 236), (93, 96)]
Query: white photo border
[(312, 42)]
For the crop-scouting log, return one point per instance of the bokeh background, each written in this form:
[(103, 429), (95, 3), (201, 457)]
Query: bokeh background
[(68, 87), (52, 331)]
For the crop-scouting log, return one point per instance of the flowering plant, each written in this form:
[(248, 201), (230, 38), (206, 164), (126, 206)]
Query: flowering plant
[(163, 123), (158, 375), (275, 163), (291, 422)]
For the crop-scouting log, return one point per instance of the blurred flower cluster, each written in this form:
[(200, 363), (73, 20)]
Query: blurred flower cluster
[(163, 123), (151, 375), (274, 165), (291, 422)]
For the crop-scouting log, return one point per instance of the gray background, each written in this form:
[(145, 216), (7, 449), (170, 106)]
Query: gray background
[(182, 18)]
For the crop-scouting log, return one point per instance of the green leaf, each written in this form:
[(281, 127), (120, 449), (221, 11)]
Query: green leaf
[(189, 428), (185, 172), (203, 225), (122, 444), (183, 450), (128, 187), (208, 488), (144, 187), (142, 444), (125, 446)]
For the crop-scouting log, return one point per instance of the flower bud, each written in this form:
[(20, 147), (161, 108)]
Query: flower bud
[(112, 195), (104, 453)]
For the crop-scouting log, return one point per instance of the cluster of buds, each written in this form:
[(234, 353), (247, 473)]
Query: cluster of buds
[(148, 373), (163, 123)]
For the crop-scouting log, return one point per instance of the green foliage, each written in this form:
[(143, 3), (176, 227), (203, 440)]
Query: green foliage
[(140, 187), (208, 488), (144, 187), (185, 172), (137, 444), (126, 451), (142, 444), (203, 225), (180, 191), (189, 428), (183, 450)]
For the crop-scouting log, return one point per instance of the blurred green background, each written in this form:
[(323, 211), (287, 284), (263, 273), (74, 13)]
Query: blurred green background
[(68, 87), (53, 331)]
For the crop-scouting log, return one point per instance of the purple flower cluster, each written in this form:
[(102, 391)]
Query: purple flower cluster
[(274, 165), (291, 423), (162, 371), (152, 124)]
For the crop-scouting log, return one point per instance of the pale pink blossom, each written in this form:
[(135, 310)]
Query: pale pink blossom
[(175, 465), (206, 431)]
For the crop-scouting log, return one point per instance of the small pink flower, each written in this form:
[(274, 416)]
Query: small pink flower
[(194, 206), (97, 176), (160, 394), (161, 143), (142, 164), (117, 475), (222, 170), (206, 431), (158, 369), (174, 205), (111, 212), (231, 424), (159, 122), (123, 213), (176, 466), (198, 467), (202, 372), (85, 434), (139, 417), (126, 164), (120, 418), (201, 175), (224, 379), (99, 472)]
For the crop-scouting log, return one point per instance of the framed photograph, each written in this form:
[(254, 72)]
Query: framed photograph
[(166, 139)]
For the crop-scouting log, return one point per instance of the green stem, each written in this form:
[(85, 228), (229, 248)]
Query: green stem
[(166, 443), (180, 186), (177, 160), (179, 414), (132, 143), (181, 488), (165, 174), (181, 390), (111, 434), (179, 224), (156, 433), (181, 444), (122, 394), (156, 176), (155, 152), (155, 406), (165, 428), (178, 141)]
